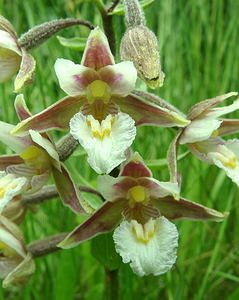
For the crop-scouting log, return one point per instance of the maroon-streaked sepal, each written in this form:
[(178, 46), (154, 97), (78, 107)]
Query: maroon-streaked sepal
[(145, 112), (105, 219), (8, 160), (21, 108), (67, 190), (228, 126), (97, 52), (56, 116), (205, 105), (184, 209)]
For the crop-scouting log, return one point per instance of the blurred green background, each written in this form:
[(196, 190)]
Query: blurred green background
[(200, 57)]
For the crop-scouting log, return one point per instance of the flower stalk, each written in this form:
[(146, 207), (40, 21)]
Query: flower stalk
[(39, 34), (46, 246)]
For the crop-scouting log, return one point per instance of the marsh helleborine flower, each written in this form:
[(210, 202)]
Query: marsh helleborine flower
[(202, 135), (101, 111), (10, 187), (13, 57), (143, 206), (36, 159), (16, 263)]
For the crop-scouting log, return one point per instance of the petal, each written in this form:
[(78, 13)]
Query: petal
[(160, 189), (26, 72), (10, 240), (9, 64), (103, 220), (37, 181), (104, 154), (204, 106), (16, 144), (228, 126), (226, 157), (120, 77), (7, 160), (156, 256), (145, 112), (73, 78), (46, 145), (97, 52), (106, 186), (21, 273), (21, 108), (219, 111), (11, 186), (199, 130), (8, 42), (7, 264), (56, 116), (184, 209), (68, 190), (135, 167)]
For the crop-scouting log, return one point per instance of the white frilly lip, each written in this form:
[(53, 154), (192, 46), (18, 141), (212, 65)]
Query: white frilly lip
[(157, 256), (230, 150), (12, 186), (104, 154)]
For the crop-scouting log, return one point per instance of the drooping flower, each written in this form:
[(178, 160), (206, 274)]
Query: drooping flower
[(143, 206), (202, 135), (205, 119), (101, 107), (16, 263), (36, 159), (10, 187), (13, 57)]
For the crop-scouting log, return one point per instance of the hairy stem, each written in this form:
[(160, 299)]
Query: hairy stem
[(38, 34), (66, 146), (46, 246), (50, 191)]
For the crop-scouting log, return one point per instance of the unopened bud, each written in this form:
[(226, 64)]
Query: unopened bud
[(139, 45), (134, 15)]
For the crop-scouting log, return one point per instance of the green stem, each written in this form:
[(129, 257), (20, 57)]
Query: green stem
[(212, 262), (111, 284), (107, 24)]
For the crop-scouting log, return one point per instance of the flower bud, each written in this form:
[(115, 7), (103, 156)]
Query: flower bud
[(139, 45)]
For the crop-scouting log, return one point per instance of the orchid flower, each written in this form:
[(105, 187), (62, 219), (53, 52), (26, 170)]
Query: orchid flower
[(16, 263), (202, 135), (10, 187), (36, 159), (143, 206), (13, 57), (101, 110)]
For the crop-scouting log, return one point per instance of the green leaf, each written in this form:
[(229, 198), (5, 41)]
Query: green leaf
[(119, 10), (75, 43), (103, 249)]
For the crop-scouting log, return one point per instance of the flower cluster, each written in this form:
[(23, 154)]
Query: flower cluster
[(102, 112)]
